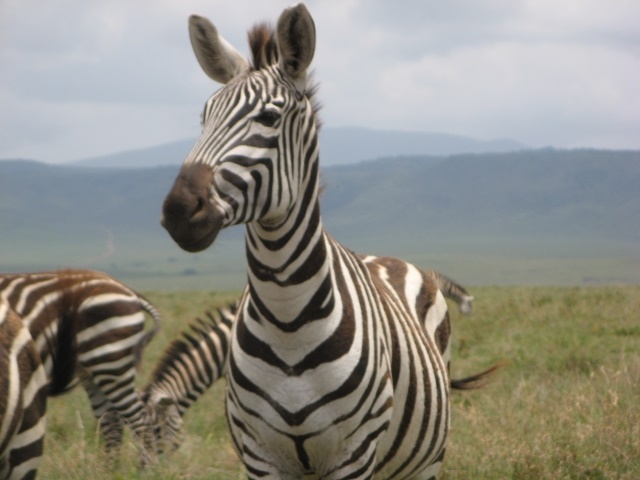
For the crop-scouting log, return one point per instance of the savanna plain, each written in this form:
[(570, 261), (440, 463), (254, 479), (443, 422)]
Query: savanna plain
[(565, 406)]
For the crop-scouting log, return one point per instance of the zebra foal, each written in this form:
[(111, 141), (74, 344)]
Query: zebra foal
[(23, 399), (330, 372), (89, 329)]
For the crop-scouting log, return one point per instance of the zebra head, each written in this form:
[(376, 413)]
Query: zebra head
[(258, 140), (165, 420)]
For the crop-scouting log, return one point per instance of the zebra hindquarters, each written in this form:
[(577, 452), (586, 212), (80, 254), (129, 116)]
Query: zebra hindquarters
[(108, 351), (23, 397)]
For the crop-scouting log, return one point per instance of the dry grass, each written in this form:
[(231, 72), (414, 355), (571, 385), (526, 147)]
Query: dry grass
[(567, 406)]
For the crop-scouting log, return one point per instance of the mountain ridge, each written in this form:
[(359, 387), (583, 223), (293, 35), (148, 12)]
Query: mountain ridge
[(338, 146), (459, 210)]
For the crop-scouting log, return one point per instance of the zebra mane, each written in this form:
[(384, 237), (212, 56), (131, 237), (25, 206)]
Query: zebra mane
[(264, 53), (189, 340), (263, 45)]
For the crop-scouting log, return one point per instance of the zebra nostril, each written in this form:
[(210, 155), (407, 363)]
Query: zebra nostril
[(200, 209)]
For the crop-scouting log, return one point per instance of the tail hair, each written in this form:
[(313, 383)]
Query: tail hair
[(479, 380), (148, 335)]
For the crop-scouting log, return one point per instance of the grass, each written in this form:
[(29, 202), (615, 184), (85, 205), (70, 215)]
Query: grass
[(566, 406)]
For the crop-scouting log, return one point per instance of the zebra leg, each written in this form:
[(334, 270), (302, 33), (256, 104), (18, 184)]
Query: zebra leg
[(263, 462), (109, 422), (112, 418), (23, 399), (431, 472), (112, 430), (257, 463)]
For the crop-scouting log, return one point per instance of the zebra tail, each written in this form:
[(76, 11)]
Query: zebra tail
[(478, 380), (149, 334)]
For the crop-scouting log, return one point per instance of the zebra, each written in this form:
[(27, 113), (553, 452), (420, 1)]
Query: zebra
[(189, 366), (89, 328), (195, 360), (329, 373), (23, 399)]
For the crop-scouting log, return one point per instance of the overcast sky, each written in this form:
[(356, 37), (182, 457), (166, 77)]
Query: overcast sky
[(82, 78)]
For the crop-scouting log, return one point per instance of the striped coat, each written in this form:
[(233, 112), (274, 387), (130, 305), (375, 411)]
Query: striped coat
[(89, 329), (331, 372), (195, 360), (23, 397)]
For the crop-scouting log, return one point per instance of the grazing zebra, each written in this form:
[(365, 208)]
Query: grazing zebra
[(88, 328), (186, 370), (329, 372), (23, 399)]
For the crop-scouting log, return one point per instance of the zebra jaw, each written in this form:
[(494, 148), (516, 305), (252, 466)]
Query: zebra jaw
[(188, 213)]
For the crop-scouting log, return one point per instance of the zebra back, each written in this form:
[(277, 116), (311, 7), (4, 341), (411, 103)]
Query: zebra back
[(188, 367), (23, 397), (453, 290)]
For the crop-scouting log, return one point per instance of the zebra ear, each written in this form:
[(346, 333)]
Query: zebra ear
[(296, 41), (219, 60), (162, 400)]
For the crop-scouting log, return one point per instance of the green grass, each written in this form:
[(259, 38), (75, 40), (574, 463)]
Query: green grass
[(566, 406)]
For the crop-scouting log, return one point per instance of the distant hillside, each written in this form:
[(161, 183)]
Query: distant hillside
[(485, 216), (532, 194), (339, 146), (346, 145)]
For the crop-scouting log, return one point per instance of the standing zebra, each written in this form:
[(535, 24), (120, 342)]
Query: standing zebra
[(195, 360), (23, 399), (88, 327), (329, 373)]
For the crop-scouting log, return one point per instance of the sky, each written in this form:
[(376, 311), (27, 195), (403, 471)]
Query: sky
[(85, 78)]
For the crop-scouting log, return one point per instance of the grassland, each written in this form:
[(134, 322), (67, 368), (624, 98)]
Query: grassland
[(566, 406)]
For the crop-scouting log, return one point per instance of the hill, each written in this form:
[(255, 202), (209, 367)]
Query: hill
[(339, 146), (544, 216)]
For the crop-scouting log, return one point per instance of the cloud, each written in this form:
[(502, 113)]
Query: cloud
[(93, 77), (523, 90), (543, 72), (65, 131)]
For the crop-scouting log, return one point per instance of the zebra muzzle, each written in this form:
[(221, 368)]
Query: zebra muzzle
[(188, 213)]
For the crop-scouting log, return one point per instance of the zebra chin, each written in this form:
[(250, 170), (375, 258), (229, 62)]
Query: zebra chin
[(188, 213), (194, 243)]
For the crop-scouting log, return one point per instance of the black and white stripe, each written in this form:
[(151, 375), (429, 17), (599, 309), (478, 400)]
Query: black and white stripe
[(188, 367), (88, 328), (331, 371), (192, 363), (454, 291), (23, 399)]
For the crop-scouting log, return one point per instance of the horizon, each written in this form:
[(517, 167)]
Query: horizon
[(142, 149)]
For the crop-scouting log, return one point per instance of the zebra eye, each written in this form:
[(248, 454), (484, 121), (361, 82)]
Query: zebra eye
[(268, 118)]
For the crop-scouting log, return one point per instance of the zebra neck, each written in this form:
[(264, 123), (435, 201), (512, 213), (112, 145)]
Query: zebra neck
[(290, 281)]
